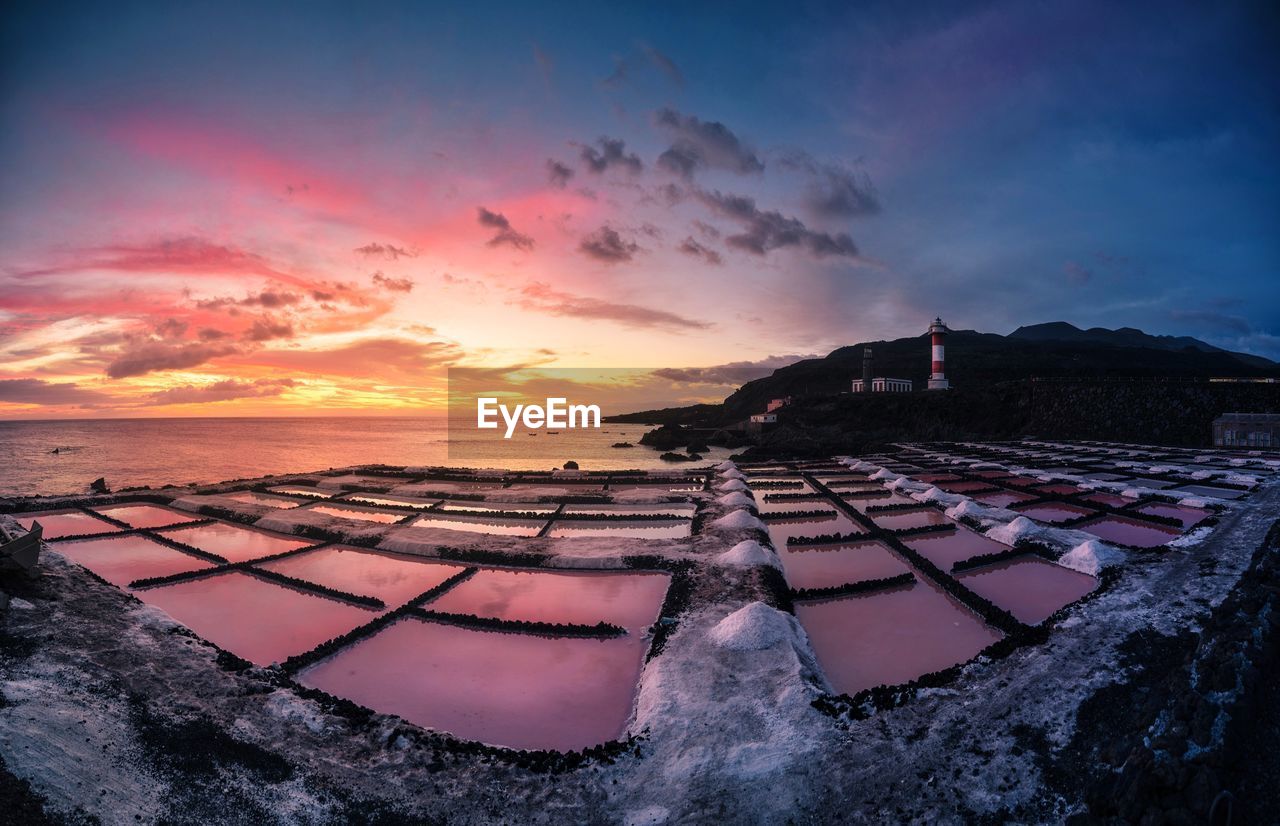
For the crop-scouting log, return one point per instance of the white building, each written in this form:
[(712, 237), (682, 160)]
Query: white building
[(764, 418), (884, 385)]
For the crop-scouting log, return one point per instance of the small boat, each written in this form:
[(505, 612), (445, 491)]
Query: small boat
[(21, 553)]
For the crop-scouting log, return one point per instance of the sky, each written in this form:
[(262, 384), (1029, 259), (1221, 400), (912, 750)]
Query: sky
[(298, 208)]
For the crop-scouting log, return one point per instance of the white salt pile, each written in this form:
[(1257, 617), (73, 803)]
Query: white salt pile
[(1091, 557), (746, 554), (737, 499), (727, 464), (1020, 528), (751, 628), (737, 521), (731, 485), (732, 473)]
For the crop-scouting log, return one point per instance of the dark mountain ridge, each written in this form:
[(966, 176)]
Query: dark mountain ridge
[(974, 359), (1126, 337)]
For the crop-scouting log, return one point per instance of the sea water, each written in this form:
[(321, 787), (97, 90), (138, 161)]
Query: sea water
[(155, 452)]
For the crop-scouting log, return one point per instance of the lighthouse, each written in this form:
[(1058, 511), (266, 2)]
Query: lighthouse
[(938, 334)]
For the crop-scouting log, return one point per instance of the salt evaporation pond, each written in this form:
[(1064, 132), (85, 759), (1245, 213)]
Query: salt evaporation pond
[(818, 502), (1054, 512), (497, 527), (1030, 588), (1130, 531), (523, 691), (965, 486), (860, 504), (301, 490), (1144, 482), (676, 510), (892, 636), (1004, 498), (935, 478), (1210, 491), (251, 498), (254, 619), (905, 520), (359, 514), (1188, 516), (57, 524), (232, 542), (392, 578), (672, 487), (124, 559), (498, 508), (630, 600), (782, 531), (946, 549), (1059, 490), (146, 516), (1115, 500), (620, 529), (825, 566), (402, 501)]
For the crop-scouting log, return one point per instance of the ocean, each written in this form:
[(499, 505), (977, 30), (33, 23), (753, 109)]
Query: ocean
[(155, 452)]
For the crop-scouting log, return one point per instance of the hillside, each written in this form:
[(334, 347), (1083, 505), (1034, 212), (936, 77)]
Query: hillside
[(975, 358), (1052, 350)]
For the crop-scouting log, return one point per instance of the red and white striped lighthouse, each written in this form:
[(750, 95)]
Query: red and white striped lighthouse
[(938, 334)]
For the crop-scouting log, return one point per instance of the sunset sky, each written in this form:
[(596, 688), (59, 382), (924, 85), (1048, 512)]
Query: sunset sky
[(301, 208)]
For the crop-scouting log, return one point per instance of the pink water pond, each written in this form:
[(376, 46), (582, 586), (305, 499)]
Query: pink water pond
[(861, 504), (358, 514), (403, 501), (1030, 588), (891, 637), (518, 690), (234, 543), (782, 506), (676, 510), (393, 578), (251, 498), (782, 531), (62, 523), (495, 508), (1144, 482), (824, 566), (1004, 498), (1053, 512), (1060, 489), (147, 516), (902, 520), (254, 619), (621, 529), (124, 559), (496, 526), (935, 478), (1209, 490), (302, 490), (964, 486), (1115, 500), (1133, 532), (631, 600), (1187, 515), (946, 549)]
